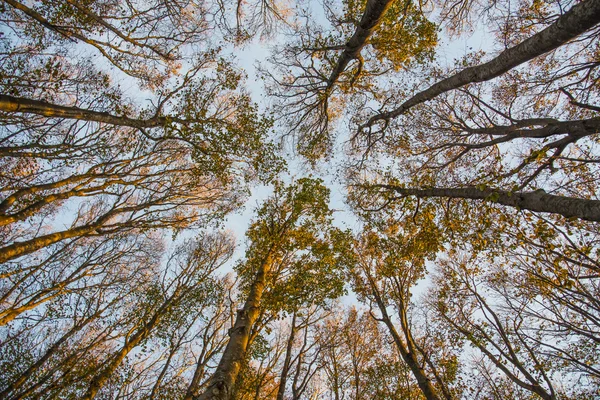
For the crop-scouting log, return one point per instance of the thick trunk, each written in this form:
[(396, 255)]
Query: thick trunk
[(12, 104), (538, 200), (574, 129), (374, 12), (573, 23), (222, 381), (288, 358)]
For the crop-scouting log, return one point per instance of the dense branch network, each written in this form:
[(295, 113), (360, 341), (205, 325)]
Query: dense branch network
[(127, 138)]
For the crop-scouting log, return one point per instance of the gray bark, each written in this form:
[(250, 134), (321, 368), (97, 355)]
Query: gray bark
[(371, 18), (406, 349), (539, 200), (579, 19), (221, 383), (12, 104)]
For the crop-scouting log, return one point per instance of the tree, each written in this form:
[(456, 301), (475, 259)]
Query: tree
[(390, 260), (130, 36), (154, 308), (291, 259), (526, 140), (51, 336), (130, 173), (187, 289), (475, 184), (575, 22), (322, 67)]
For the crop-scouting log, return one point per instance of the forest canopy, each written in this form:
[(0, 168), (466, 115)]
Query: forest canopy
[(462, 263)]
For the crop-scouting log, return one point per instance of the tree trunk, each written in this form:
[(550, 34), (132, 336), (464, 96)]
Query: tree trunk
[(195, 383), (221, 383), (407, 354), (49, 353), (141, 334), (576, 21), (44, 201), (12, 104), (286, 363), (19, 249), (371, 18), (538, 200)]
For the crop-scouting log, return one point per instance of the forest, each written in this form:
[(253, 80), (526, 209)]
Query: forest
[(463, 261)]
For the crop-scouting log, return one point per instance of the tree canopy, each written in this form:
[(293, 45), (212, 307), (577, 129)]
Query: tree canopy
[(445, 244)]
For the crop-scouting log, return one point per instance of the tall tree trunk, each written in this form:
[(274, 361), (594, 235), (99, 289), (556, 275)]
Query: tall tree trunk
[(576, 21), (221, 383), (131, 342), (102, 377), (374, 12), (195, 383), (19, 249), (407, 351), (12, 104), (288, 358), (538, 200), (18, 383)]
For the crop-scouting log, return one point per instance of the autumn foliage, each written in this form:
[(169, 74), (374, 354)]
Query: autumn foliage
[(462, 263)]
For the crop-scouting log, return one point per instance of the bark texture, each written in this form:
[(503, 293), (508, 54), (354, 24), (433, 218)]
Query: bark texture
[(538, 200), (374, 13), (221, 383), (12, 104), (573, 23), (407, 349)]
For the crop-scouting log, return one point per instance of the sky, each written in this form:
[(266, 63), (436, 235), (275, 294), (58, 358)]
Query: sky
[(256, 52)]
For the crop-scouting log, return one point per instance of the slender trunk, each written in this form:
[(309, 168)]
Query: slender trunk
[(195, 383), (288, 358), (172, 350), (31, 190), (34, 208), (16, 384), (538, 200), (534, 386), (141, 334), (221, 383), (63, 369), (19, 249), (8, 315), (579, 19), (574, 129), (407, 355)]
